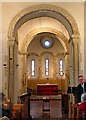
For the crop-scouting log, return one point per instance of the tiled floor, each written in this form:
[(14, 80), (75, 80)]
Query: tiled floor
[(36, 107)]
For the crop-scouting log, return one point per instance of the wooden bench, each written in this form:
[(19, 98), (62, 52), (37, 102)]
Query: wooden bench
[(17, 111)]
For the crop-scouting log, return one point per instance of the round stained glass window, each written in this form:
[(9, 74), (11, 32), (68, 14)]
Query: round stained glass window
[(47, 42)]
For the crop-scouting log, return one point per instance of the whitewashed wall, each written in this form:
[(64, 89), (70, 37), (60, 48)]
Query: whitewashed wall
[(0, 47)]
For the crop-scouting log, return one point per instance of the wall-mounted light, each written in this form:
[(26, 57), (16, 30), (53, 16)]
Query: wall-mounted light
[(5, 65), (6, 69), (17, 65)]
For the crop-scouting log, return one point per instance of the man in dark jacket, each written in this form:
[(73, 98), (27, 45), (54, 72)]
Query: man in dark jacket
[(81, 88), (4, 110)]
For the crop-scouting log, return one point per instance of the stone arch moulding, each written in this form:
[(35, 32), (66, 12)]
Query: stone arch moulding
[(47, 52), (32, 54), (29, 37), (39, 11)]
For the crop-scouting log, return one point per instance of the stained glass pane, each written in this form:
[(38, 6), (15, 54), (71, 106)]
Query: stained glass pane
[(33, 68), (61, 67), (47, 67)]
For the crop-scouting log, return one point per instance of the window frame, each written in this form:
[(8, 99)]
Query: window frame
[(33, 71), (46, 69), (61, 69)]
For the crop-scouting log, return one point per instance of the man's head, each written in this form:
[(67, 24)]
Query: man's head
[(81, 79)]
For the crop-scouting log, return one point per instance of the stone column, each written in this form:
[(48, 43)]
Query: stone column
[(54, 68), (74, 68), (11, 47), (66, 70), (39, 68), (24, 71), (76, 58), (71, 63)]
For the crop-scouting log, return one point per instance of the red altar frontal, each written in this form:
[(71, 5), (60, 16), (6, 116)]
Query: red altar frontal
[(47, 89)]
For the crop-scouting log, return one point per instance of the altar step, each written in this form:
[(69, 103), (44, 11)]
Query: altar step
[(55, 112), (40, 97), (50, 119)]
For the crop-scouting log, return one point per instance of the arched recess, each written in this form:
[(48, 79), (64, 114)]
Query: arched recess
[(29, 58), (50, 57), (43, 10), (29, 37)]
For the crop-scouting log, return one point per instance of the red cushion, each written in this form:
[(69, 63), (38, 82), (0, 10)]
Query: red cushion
[(82, 106)]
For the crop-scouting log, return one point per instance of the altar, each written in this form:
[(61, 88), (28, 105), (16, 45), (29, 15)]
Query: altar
[(47, 89)]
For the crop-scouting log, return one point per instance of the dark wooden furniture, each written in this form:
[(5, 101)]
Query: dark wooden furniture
[(47, 89), (65, 103), (46, 106), (25, 99), (17, 110)]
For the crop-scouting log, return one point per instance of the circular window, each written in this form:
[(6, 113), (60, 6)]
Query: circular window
[(47, 42)]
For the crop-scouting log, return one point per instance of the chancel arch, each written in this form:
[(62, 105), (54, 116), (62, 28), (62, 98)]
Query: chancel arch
[(50, 11), (29, 37), (43, 10)]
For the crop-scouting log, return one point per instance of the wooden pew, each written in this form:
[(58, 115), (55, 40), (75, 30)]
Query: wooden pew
[(25, 99), (17, 111)]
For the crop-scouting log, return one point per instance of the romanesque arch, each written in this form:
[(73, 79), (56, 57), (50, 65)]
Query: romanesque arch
[(44, 10), (29, 37)]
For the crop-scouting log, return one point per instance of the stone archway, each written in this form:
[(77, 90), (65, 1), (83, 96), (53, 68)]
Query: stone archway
[(40, 11), (29, 37), (43, 10)]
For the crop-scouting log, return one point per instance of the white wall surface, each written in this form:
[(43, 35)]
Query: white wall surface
[(0, 47)]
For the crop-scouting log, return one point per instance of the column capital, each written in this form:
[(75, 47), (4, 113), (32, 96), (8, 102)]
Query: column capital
[(11, 43), (12, 40), (22, 53), (76, 41), (75, 38)]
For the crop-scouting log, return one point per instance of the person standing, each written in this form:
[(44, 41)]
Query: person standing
[(4, 105), (81, 88)]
